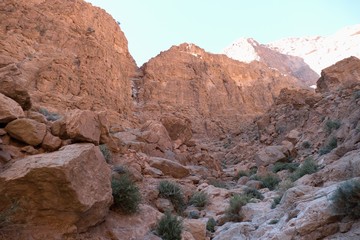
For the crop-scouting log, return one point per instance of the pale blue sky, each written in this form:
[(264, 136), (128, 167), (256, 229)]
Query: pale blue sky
[(152, 26)]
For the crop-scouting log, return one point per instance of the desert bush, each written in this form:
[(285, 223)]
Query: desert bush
[(106, 152), (217, 183), (285, 185), (331, 125), (194, 215), (276, 201), (210, 225), (308, 167), (233, 211), (49, 115), (306, 144), (253, 193), (279, 166), (126, 194), (329, 146), (199, 199), (241, 173), (172, 191), (269, 180), (169, 227), (346, 199), (357, 94), (5, 214), (274, 221)]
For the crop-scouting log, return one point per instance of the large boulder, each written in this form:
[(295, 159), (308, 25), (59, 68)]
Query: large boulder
[(196, 227), (153, 132), (27, 130), (179, 129), (9, 109), (342, 73), (270, 155), (169, 167), (64, 191)]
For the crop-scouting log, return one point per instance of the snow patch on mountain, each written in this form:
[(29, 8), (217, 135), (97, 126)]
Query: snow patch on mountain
[(243, 50), (321, 52)]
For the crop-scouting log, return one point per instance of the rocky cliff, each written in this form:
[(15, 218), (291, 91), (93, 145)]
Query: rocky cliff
[(68, 54), (215, 92), (248, 50)]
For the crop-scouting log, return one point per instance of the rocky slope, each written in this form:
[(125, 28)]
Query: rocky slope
[(205, 87), (68, 54), (248, 50), (320, 52)]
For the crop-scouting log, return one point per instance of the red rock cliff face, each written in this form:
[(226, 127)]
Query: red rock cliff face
[(214, 91), (67, 53)]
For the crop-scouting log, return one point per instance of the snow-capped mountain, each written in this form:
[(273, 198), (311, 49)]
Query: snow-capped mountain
[(321, 52), (248, 50), (294, 55)]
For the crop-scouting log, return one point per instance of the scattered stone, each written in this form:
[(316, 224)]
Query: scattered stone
[(51, 142)]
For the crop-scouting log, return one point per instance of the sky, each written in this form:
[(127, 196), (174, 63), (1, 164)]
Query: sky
[(152, 26)]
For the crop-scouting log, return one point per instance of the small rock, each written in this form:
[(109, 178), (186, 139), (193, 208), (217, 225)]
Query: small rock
[(169, 167), (4, 156), (29, 150), (50, 142)]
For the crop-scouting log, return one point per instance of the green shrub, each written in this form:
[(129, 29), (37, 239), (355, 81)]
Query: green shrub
[(276, 201), (172, 191), (210, 225), (308, 167), (199, 199), (346, 199), (106, 152), (233, 212), (194, 215), (253, 170), (357, 94), (279, 166), (331, 125), (169, 227), (274, 221), (217, 183), (329, 147), (285, 185), (269, 180), (240, 174), (49, 115), (253, 193), (5, 214), (306, 144), (126, 194)]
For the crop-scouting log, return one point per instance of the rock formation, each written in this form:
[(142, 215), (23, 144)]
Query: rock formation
[(67, 54), (205, 87)]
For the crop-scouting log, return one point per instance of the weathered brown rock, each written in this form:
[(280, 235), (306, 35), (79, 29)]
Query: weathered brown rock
[(169, 167), (83, 126), (57, 70), (60, 192), (36, 116), (51, 142), (196, 227), (179, 129), (27, 130), (9, 109), (342, 73), (13, 87)]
